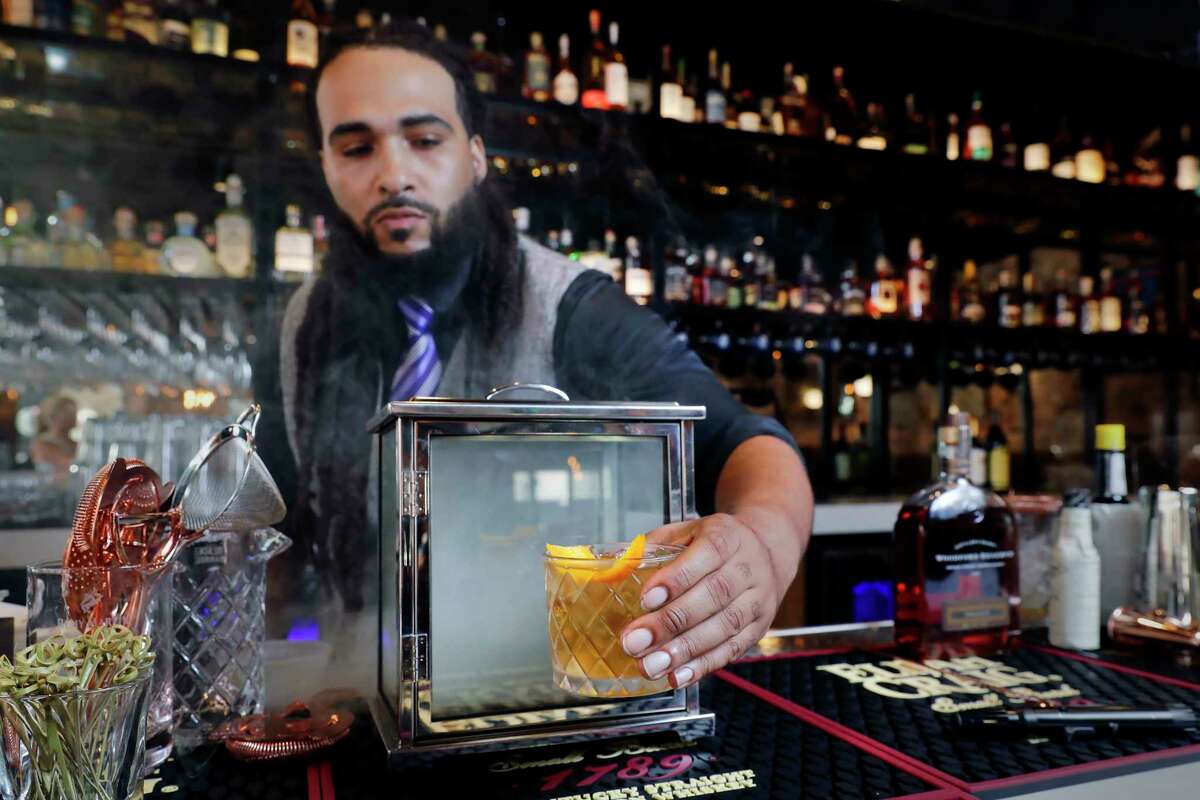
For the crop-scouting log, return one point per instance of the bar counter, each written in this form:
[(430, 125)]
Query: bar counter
[(795, 718)]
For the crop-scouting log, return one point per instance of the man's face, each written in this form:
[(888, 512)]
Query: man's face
[(396, 155)]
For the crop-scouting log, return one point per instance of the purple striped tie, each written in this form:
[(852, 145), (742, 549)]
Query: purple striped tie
[(421, 371)]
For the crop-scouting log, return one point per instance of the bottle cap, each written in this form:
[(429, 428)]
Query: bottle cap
[(1110, 437)]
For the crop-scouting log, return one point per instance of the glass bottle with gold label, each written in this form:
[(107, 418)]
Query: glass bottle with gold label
[(125, 251)]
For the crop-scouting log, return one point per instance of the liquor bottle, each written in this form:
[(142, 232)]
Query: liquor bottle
[(677, 281), (88, 18), (968, 300), (56, 226), (1146, 167), (1089, 161), (1033, 304), (552, 242), (772, 295), (1111, 311), (1062, 153), (141, 21), (1006, 304), (916, 136), (1063, 306), (715, 101), (1009, 150), (803, 116), (1117, 524), (81, 249), (701, 293), (735, 280), (156, 235), (918, 291), (979, 133), (843, 114), (955, 561), (326, 21), (816, 299), (749, 117), (1089, 306), (126, 252), (1137, 312), (594, 95), (19, 12), (874, 135), (114, 22), (566, 83), (243, 36), (616, 73), (719, 283), (999, 460), (1112, 169), (566, 244), (731, 113), (483, 66), (953, 144), (851, 300), (364, 18), (174, 25), (670, 90), (1112, 484), (1036, 157), (886, 290), (235, 233), (185, 255), (639, 283), (753, 270), (294, 246), (535, 78), (302, 36), (210, 30), (687, 103), (1187, 167), (26, 248)]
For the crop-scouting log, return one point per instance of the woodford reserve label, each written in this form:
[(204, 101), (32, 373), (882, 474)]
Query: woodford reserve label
[(957, 684)]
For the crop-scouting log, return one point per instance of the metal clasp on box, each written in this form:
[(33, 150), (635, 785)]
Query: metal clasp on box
[(415, 491), (414, 652)]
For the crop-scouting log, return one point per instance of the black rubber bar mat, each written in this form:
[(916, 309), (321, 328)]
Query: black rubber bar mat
[(759, 752), (889, 707)]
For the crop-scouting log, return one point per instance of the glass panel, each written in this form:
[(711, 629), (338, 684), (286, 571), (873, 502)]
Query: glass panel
[(489, 647), (388, 569)]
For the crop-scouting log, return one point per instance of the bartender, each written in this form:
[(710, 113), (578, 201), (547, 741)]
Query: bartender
[(428, 290)]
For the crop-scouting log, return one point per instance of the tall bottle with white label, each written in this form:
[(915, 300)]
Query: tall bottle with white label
[(616, 73), (235, 233), (294, 248), (566, 82), (302, 40), (1075, 578)]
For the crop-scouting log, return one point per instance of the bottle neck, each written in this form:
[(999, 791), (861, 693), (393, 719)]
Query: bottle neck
[(1111, 484)]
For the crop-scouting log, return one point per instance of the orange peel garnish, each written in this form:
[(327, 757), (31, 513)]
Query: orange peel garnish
[(624, 566)]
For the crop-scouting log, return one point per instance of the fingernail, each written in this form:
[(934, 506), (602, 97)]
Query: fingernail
[(654, 598), (636, 641), (683, 676), (656, 664)]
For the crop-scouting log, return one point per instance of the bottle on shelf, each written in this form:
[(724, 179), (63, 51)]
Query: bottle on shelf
[(210, 30), (843, 114), (566, 82), (874, 134), (1076, 575), (25, 246), (670, 90), (953, 143), (639, 282), (731, 112), (1146, 167), (701, 292), (918, 133), (594, 94), (174, 25), (715, 101), (114, 22), (1112, 315), (979, 133), (1089, 161), (566, 244), (1036, 156), (302, 36), (535, 78), (1137, 311), (687, 103), (183, 254), (81, 249), (999, 461), (295, 249), (977, 470), (886, 293), (19, 12), (773, 294), (125, 252), (1009, 151), (243, 38), (1033, 304), (141, 21), (1187, 166), (843, 461), (235, 233), (955, 560), (677, 280), (918, 283), (88, 18), (851, 301), (1089, 306), (1006, 304), (1064, 307), (749, 116), (967, 300), (616, 73), (1112, 169), (483, 65), (815, 298), (156, 236), (1062, 153)]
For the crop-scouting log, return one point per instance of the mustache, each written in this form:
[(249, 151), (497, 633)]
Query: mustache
[(397, 202)]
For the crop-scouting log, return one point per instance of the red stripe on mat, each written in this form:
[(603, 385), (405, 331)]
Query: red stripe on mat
[(326, 781), (938, 794), (901, 761), (798, 654), (314, 783), (1115, 667), (1079, 769)]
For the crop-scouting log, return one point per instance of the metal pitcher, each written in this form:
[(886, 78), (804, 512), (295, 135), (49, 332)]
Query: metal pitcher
[(1171, 581)]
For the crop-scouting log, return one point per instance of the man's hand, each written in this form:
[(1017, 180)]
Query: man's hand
[(718, 597)]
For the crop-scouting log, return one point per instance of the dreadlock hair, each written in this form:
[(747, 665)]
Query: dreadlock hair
[(348, 339)]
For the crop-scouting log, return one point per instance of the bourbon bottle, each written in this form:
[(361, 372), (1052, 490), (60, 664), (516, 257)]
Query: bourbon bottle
[(955, 554)]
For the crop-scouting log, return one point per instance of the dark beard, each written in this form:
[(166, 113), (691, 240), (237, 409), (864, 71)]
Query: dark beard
[(438, 274)]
